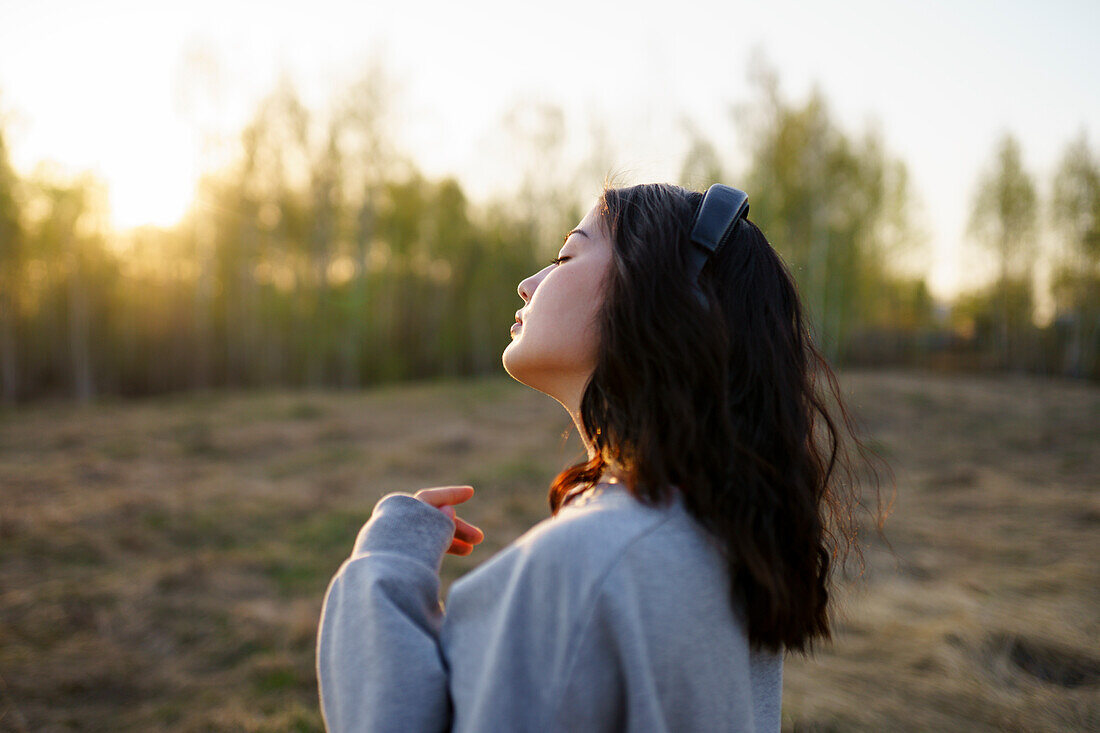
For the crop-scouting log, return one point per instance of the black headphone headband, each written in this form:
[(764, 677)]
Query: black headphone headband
[(722, 207)]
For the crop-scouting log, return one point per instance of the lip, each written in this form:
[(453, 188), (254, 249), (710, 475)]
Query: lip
[(516, 326)]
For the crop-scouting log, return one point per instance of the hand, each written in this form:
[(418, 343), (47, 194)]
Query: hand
[(442, 498)]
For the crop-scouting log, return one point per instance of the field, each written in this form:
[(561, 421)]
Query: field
[(162, 563)]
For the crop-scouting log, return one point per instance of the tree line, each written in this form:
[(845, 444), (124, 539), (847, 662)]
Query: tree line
[(321, 256)]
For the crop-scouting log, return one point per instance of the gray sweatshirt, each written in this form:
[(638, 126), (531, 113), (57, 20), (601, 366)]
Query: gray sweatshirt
[(610, 616)]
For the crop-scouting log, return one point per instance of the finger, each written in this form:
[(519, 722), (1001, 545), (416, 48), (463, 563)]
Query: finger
[(458, 547), (467, 532), (445, 495)]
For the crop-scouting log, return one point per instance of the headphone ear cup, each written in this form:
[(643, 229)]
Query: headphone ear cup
[(722, 209)]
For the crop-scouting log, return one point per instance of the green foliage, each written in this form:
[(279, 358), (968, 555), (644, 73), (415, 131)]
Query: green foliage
[(1003, 219), (1075, 286), (702, 165), (834, 207), (1075, 201), (986, 309), (321, 257), (316, 258), (1003, 215)]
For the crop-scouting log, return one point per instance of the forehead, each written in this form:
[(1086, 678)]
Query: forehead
[(592, 224), (594, 216)]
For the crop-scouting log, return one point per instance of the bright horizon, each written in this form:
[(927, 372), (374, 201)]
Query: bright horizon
[(942, 81)]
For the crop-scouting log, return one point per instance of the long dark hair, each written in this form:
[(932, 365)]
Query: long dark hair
[(724, 403)]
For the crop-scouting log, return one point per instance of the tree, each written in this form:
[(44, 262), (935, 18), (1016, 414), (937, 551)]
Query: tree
[(702, 165), (67, 236), (536, 135), (1003, 220), (1075, 215), (11, 266), (363, 118), (835, 208), (199, 95)]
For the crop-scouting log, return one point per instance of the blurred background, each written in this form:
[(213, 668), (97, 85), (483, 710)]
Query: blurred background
[(258, 263)]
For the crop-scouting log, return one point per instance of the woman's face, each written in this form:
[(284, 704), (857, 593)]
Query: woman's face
[(553, 350)]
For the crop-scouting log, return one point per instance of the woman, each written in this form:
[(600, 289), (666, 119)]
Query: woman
[(682, 559)]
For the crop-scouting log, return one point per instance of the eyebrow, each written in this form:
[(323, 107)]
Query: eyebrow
[(575, 231)]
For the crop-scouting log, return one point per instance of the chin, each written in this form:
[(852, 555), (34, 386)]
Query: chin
[(520, 366), (513, 363)]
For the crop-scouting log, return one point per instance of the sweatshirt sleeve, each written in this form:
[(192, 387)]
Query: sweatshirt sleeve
[(379, 665)]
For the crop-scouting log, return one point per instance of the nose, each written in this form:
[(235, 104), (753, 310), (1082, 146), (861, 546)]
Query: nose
[(527, 287)]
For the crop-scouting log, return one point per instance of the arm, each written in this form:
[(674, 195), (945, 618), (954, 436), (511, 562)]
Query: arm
[(379, 666)]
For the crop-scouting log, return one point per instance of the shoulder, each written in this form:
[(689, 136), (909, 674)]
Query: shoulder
[(597, 525), (513, 625), (572, 552), (542, 585), (655, 563)]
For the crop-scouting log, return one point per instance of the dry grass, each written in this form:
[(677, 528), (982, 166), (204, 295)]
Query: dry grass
[(162, 563)]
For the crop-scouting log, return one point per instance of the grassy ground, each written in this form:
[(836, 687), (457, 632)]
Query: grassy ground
[(162, 563)]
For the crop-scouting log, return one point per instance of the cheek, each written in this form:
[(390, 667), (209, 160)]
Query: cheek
[(565, 322), (582, 304), (579, 295), (561, 336)]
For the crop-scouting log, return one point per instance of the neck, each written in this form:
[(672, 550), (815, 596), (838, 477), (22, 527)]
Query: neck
[(610, 475)]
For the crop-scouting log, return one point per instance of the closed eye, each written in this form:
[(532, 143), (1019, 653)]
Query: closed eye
[(558, 260)]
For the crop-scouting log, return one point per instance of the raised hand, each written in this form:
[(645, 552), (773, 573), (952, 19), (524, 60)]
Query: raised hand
[(443, 498)]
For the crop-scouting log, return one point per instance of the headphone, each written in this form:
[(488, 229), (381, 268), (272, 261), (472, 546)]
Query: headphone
[(722, 208)]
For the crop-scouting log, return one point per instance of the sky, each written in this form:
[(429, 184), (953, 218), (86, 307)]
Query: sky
[(104, 86)]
